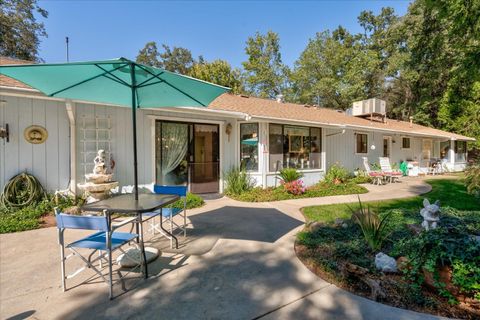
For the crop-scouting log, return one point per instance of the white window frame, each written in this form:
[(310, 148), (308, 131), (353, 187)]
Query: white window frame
[(401, 143), (322, 151), (355, 142), (238, 146)]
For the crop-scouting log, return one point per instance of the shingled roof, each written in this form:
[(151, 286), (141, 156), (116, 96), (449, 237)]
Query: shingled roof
[(273, 110), (9, 82)]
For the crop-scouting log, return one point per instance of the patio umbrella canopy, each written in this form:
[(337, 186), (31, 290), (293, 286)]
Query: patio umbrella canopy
[(119, 82)]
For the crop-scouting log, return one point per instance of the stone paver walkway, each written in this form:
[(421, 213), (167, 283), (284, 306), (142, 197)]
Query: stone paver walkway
[(237, 263)]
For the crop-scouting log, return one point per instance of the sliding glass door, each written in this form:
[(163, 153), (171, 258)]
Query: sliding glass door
[(187, 154)]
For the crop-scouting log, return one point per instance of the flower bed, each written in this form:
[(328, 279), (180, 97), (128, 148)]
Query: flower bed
[(321, 189), (439, 269)]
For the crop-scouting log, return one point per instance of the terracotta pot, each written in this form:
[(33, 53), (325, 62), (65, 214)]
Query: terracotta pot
[(444, 276)]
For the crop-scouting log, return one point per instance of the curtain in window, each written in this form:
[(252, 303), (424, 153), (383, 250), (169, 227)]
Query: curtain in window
[(174, 145)]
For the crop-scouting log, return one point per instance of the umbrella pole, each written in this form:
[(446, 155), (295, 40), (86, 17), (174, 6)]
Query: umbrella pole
[(134, 119)]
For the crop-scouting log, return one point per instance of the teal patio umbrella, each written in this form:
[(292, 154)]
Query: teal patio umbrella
[(119, 82)]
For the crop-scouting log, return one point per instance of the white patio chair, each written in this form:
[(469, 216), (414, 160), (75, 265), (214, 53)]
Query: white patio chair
[(390, 174)]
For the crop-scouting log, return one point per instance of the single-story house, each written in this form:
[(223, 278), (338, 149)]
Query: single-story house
[(196, 146)]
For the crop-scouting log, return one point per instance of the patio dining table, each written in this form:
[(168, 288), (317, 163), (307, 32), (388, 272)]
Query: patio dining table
[(127, 205)]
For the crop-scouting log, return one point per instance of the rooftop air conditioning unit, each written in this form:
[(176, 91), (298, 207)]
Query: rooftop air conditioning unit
[(368, 107)]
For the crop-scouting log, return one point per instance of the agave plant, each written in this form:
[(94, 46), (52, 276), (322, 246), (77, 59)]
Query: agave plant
[(375, 229)]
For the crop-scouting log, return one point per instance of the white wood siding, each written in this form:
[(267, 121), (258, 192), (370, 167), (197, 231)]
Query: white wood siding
[(49, 161)]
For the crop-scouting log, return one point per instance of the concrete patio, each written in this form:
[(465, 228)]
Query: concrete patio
[(238, 262)]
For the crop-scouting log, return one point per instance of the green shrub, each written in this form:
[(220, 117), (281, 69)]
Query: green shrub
[(444, 246), (27, 218), (289, 175), (472, 179), (237, 182), (193, 201), (321, 189), (375, 228), (361, 179), (337, 174)]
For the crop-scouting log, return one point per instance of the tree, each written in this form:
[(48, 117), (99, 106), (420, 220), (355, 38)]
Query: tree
[(219, 72), (149, 55), (329, 70), (266, 75), (178, 59), (20, 32)]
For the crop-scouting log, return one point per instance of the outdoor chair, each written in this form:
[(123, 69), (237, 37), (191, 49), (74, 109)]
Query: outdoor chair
[(390, 174), (377, 177), (105, 241), (168, 214)]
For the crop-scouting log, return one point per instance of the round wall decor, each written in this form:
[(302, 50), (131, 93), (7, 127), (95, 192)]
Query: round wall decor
[(35, 134)]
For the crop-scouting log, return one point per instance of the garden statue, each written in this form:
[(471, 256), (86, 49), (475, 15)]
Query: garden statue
[(430, 214), (99, 163), (99, 183)]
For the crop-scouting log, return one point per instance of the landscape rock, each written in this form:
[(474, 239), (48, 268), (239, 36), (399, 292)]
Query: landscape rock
[(315, 226), (385, 263)]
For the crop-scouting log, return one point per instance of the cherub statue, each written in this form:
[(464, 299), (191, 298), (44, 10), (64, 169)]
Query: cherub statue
[(430, 214), (99, 162)]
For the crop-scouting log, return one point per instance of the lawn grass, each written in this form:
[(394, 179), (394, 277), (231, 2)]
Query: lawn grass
[(450, 192)]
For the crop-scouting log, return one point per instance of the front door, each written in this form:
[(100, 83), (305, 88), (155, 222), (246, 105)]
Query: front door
[(205, 159), (187, 154)]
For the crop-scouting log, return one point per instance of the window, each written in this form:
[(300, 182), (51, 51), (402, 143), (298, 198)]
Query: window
[(460, 151), (249, 146), (294, 147), (362, 143), (444, 148), (405, 143)]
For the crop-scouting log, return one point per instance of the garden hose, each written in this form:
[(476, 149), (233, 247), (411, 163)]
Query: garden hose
[(20, 191)]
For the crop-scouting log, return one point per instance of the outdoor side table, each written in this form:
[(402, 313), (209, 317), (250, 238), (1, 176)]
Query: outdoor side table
[(126, 204)]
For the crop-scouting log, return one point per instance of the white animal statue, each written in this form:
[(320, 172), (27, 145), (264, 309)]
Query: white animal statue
[(430, 214), (99, 162)]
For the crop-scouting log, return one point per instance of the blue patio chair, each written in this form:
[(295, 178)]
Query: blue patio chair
[(167, 214), (104, 241)]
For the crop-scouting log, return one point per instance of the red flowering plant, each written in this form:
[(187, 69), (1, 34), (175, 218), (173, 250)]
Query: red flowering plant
[(295, 187)]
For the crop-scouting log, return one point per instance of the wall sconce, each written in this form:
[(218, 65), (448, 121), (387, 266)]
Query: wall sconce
[(5, 133), (228, 130)]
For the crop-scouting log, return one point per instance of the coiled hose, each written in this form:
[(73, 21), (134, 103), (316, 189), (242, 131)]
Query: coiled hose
[(20, 191)]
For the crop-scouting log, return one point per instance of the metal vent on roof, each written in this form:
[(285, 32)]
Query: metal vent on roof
[(244, 96)]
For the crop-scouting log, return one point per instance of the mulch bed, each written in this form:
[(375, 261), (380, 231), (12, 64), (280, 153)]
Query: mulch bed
[(393, 285)]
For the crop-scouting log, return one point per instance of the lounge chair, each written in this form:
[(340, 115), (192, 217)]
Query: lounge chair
[(377, 177), (390, 174)]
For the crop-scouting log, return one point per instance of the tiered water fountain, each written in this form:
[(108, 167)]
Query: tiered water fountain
[(99, 183)]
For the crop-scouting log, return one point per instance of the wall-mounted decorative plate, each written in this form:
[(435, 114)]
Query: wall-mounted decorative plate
[(35, 134)]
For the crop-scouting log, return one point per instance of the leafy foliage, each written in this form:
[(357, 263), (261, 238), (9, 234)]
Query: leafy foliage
[(444, 246), (375, 229), (193, 201), (322, 189), (472, 179), (27, 218), (237, 182), (176, 59), (266, 75), (20, 32), (219, 72), (289, 174), (337, 174)]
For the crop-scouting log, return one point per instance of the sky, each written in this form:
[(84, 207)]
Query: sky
[(215, 29)]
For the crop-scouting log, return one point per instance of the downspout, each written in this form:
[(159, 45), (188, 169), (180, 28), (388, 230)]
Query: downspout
[(70, 107)]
